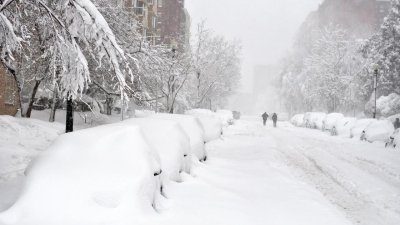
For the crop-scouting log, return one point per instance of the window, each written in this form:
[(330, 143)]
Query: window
[(10, 91), (139, 9), (158, 34), (144, 33), (159, 18), (150, 2), (134, 3), (154, 22), (159, 3)]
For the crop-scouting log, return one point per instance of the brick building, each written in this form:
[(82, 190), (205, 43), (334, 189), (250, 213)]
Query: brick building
[(8, 93)]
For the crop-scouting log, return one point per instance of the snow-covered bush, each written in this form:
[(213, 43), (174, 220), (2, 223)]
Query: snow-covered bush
[(379, 130), (330, 119), (108, 173), (226, 117), (342, 126), (297, 120), (170, 141), (357, 129), (193, 127), (385, 105), (211, 123)]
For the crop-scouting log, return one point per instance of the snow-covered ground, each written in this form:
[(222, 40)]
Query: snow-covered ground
[(285, 175)]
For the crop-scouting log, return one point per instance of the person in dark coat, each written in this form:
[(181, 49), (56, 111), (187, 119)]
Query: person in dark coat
[(274, 118), (396, 124), (264, 117)]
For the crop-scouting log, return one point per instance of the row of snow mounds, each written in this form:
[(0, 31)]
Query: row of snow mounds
[(211, 123), (107, 173)]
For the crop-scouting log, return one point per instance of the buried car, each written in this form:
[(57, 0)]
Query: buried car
[(342, 127), (329, 120), (379, 130)]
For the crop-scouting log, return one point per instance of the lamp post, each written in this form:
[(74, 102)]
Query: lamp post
[(376, 67), (174, 47)]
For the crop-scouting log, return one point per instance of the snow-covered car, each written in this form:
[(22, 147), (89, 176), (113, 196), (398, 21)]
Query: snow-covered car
[(297, 120), (194, 129), (330, 119), (357, 129), (92, 175), (313, 119), (226, 117), (343, 126), (394, 139), (393, 118), (212, 125), (378, 131), (171, 142)]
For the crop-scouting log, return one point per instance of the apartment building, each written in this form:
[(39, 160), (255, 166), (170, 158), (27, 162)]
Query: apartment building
[(8, 93)]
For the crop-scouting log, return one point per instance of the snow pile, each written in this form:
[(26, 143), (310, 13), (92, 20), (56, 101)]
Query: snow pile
[(226, 117), (357, 129), (102, 175), (378, 131), (212, 125), (193, 127), (343, 126), (20, 140), (170, 141), (297, 120), (385, 105), (314, 119), (330, 119)]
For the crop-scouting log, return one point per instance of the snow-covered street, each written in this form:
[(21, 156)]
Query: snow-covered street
[(285, 175)]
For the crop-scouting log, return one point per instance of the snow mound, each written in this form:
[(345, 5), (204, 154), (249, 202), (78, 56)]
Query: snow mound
[(330, 119), (297, 120), (314, 119), (226, 117), (94, 176), (378, 131), (193, 127), (357, 129), (170, 141), (212, 125), (343, 126)]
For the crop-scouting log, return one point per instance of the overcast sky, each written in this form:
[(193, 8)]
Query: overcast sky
[(265, 27)]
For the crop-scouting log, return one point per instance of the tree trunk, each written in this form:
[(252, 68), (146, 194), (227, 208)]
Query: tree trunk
[(69, 125), (32, 99), (54, 104)]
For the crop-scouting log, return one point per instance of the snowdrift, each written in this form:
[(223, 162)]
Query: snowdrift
[(330, 119), (226, 117), (343, 126), (297, 120), (170, 141), (357, 129), (193, 127), (212, 125), (106, 174), (378, 131)]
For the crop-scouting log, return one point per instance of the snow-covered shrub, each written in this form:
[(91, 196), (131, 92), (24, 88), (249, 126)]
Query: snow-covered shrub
[(193, 127), (343, 126), (379, 130), (357, 129), (211, 123), (385, 105), (170, 141), (226, 117), (330, 119), (107, 173), (297, 120)]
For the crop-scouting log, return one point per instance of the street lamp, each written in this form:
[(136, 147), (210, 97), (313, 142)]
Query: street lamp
[(174, 46), (376, 68)]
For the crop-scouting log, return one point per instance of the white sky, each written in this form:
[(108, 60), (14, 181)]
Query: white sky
[(265, 27)]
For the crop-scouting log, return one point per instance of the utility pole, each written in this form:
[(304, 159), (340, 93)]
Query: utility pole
[(69, 123), (376, 67)]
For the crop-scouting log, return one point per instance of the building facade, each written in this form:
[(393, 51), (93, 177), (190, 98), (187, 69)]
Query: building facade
[(8, 93)]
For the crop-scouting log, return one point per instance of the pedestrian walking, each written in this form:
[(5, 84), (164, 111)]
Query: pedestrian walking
[(397, 124), (265, 118), (275, 119)]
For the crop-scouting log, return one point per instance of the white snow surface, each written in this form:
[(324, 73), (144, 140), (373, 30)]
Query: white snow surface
[(211, 123), (297, 120), (170, 141), (343, 126), (102, 175), (378, 131), (357, 129), (330, 119), (194, 129)]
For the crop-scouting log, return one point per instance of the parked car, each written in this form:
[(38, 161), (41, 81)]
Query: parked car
[(329, 120), (379, 130), (297, 120), (359, 126), (394, 139), (342, 127)]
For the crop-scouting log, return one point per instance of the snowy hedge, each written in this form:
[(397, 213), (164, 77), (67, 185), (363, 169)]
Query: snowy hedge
[(385, 106)]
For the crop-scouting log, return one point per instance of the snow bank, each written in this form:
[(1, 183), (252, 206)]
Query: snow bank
[(226, 117), (170, 141), (343, 126), (378, 131), (297, 120), (330, 119), (314, 119), (212, 125), (20, 140), (357, 129), (193, 127), (102, 175)]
